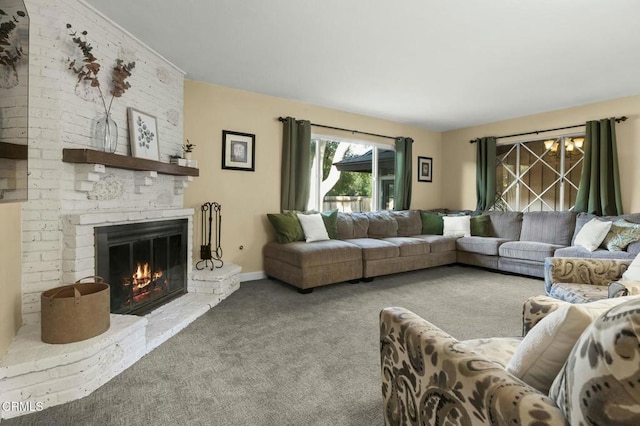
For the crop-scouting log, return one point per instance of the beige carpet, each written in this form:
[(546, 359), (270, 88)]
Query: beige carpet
[(271, 356)]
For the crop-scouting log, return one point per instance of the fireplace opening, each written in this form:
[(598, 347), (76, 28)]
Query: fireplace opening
[(145, 263)]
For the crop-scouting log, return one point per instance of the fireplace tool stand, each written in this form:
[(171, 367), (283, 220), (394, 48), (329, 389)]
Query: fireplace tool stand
[(210, 212)]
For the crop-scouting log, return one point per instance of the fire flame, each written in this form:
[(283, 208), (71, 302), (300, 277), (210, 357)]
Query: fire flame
[(143, 275)]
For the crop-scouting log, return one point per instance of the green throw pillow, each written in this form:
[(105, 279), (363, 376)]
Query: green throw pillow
[(480, 225), (287, 227), (330, 220), (621, 234), (432, 223)]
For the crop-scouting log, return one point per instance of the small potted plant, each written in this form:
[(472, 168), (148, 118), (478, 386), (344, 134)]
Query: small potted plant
[(188, 149)]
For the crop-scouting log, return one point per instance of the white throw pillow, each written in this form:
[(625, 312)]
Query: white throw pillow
[(544, 350), (633, 272), (592, 234), (456, 226), (313, 227)]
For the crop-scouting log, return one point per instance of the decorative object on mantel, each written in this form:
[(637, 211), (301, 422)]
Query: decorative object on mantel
[(106, 130), (238, 151), (75, 312), (425, 169), (188, 149), (10, 51), (143, 135), (176, 159), (209, 210)]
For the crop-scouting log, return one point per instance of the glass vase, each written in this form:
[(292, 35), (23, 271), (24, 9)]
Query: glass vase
[(106, 134)]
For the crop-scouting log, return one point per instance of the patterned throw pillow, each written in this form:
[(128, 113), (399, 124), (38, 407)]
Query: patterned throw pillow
[(621, 234), (598, 383)]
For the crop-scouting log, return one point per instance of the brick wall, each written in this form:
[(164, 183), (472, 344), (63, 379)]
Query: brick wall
[(62, 115)]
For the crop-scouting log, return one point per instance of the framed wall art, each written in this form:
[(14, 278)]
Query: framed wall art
[(425, 169), (238, 151), (143, 135)]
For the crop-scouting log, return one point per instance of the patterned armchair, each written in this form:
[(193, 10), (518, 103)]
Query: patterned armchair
[(580, 280), (430, 378)]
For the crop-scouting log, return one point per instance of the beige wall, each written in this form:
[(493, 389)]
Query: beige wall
[(459, 155), (246, 197), (10, 274)]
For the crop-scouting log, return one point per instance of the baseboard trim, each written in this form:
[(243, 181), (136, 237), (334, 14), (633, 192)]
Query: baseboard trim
[(252, 276)]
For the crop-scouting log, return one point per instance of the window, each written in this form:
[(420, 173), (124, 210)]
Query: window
[(541, 175), (351, 176)]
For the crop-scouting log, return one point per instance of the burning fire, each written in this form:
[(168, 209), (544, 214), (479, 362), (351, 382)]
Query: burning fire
[(143, 275)]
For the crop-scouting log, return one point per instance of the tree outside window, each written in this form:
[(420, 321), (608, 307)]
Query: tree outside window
[(351, 176)]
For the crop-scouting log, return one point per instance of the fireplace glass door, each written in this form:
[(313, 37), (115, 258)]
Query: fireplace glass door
[(145, 264)]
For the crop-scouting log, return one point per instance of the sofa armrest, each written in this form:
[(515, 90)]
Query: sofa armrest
[(428, 377), (537, 307), (577, 270), (624, 288)]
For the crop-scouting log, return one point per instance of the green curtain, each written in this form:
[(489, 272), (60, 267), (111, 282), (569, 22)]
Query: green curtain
[(599, 190), (296, 164), (403, 174), (485, 173)]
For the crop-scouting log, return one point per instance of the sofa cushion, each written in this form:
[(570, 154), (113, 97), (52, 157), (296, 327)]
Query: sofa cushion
[(438, 243), (583, 218), (578, 293), (633, 271), (481, 245), (360, 225), (577, 251), (330, 219), (374, 249), (599, 382), (382, 225), (409, 222), (344, 226), (544, 350), (313, 227), (634, 248), (456, 226), (480, 225), (505, 225), (410, 246), (592, 234), (352, 225), (319, 253), (287, 227), (528, 250), (621, 234), (432, 223), (548, 227)]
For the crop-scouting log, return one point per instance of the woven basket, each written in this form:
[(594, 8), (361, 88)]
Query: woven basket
[(75, 312)]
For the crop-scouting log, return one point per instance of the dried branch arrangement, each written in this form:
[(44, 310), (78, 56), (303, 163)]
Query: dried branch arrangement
[(9, 54), (89, 68)]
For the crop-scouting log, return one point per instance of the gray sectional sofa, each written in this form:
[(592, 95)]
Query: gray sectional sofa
[(380, 243)]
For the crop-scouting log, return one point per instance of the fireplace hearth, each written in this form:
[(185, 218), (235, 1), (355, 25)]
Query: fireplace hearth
[(145, 263)]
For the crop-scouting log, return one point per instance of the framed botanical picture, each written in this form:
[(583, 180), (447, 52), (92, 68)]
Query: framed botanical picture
[(143, 135), (238, 151), (425, 169)]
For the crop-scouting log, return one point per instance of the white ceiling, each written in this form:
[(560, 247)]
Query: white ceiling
[(436, 64)]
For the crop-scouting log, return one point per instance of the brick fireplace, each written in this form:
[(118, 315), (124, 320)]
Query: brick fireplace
[(69, 202)]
